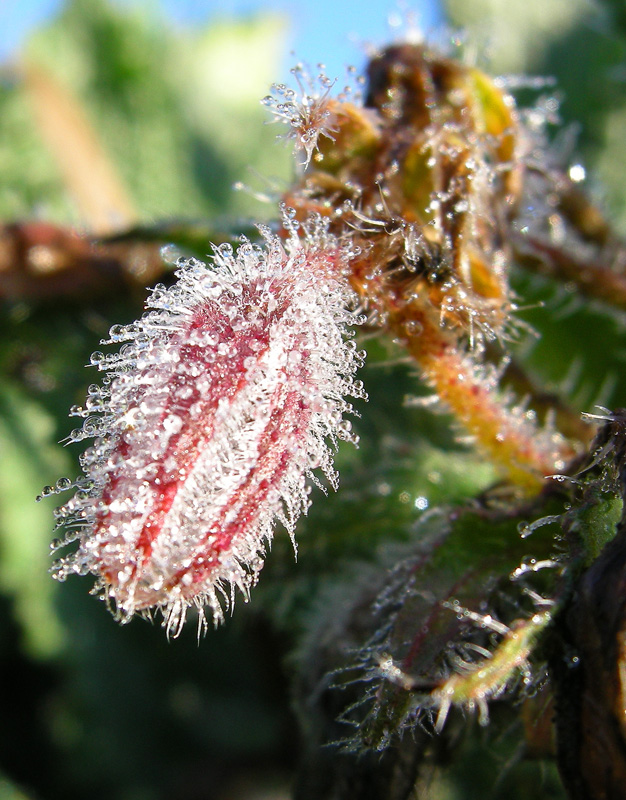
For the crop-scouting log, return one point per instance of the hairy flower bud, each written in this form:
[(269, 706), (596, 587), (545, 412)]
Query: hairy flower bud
[(209, 421)]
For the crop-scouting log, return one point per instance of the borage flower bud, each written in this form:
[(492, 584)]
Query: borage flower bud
[(209, 421)]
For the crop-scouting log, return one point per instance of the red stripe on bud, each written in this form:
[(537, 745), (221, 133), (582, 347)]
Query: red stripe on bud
[(210, 419)]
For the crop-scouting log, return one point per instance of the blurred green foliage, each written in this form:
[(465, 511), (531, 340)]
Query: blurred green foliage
[(176, 110), (101, 711)]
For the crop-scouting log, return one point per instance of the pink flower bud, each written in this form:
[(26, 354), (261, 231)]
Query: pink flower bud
[(207, 425)]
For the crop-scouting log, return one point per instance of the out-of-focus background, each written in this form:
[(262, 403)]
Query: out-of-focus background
[(335, 33), (121, 117)]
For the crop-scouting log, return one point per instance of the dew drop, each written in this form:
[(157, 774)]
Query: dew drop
[(413, 327)]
